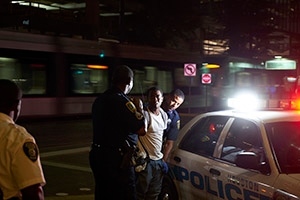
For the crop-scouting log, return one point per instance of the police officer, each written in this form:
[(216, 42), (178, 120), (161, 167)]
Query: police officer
[(171, 103), (117, 122), (21, 174)]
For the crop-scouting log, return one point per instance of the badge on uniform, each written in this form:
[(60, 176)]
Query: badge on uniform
[(31, 151)]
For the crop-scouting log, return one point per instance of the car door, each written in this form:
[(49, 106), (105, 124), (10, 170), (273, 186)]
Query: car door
[(243, 171), (194, 156)]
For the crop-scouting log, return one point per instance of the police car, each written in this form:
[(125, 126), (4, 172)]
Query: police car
[(235, 155)]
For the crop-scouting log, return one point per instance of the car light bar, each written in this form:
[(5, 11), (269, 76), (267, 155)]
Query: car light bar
[(292, 104)]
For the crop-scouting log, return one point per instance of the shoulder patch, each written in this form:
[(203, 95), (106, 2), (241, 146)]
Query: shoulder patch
[(178, 124), (31, 151), (131, 106)]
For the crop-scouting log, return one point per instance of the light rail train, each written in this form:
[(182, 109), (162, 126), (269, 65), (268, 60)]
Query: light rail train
[(62, 76)]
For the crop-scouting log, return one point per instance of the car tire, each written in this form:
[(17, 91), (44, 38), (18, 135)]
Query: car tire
[(168, 190)]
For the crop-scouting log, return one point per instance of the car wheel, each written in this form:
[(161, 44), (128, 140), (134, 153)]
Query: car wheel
[(168, 190)]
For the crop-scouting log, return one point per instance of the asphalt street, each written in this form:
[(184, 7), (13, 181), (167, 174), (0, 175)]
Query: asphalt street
[(64, 147)]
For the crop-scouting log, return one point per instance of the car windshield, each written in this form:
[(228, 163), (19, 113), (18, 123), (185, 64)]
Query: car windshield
[(284, 138)]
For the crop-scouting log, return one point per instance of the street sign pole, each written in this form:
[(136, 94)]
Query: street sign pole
[(190, 70), (206, 79), (191, 81), (206, 94)]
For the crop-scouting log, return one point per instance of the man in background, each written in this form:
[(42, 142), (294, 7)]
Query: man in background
[(21, 174), (171, 103)]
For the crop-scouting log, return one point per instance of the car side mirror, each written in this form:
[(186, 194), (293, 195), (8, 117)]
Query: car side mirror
[(248, 160)]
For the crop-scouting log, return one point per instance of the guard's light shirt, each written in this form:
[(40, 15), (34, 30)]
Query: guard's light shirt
[(20, 164)]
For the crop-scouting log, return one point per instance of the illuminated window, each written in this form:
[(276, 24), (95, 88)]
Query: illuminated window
[(89, 79), (30, 77)]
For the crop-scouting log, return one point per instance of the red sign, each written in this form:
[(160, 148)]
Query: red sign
[(190, 69), (206, 78)]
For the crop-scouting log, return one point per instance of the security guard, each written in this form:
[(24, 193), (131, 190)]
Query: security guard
[(117, 123), (21, 174)]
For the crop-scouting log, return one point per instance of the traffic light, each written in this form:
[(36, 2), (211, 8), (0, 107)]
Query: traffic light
[(102, 54)]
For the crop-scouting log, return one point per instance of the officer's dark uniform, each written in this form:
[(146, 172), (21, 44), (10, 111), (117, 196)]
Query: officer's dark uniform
[(114, 121), (171, 133)]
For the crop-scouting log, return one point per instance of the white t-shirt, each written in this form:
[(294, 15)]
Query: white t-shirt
[(20, 164), (153, 140)]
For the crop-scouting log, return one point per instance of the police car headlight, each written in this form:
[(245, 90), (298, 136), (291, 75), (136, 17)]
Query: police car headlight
[(245, 101)]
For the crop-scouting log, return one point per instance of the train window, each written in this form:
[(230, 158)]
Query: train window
[(149, 76), (31, 77), (92, 79), (244, 79), (89, 79)]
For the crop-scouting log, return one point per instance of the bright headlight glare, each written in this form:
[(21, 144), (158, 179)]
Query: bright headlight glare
[(244, 102)]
